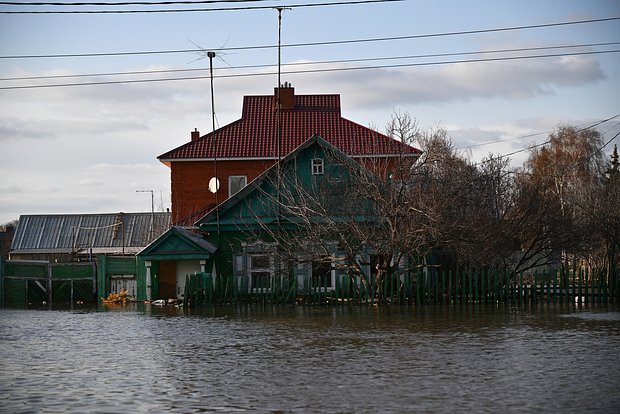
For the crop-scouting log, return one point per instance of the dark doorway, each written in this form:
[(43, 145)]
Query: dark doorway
[(167, 279)]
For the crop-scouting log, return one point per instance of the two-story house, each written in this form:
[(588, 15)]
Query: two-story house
[(232, 156)]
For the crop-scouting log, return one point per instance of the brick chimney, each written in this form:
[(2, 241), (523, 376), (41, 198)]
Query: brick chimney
[(195, 134), (287, 96)]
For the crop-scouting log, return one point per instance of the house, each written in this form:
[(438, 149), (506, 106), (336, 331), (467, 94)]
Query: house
[(216, 170), (247, 226), (237, 153)]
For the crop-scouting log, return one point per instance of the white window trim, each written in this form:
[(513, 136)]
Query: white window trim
[(250, 270), (317, 166)]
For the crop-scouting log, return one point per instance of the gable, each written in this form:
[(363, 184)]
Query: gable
[(178, 243), (257, 203)]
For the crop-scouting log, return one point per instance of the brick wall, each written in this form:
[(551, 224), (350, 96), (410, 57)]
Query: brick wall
[(190, 183)]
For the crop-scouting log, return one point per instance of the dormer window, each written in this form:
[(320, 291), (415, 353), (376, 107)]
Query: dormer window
[(317, 166)]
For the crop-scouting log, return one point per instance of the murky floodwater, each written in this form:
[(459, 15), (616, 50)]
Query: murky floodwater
[(294, 359)]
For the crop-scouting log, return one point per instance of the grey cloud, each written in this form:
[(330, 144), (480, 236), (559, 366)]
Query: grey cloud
[(463, 82), (12, 128)]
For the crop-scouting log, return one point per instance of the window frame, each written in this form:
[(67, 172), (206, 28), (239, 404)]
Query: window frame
[(231, 178), (317, 166), (331, 275), (250, 270)]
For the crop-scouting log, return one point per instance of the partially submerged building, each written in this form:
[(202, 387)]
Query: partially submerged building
[(237, 153), (81, 237), (222, 176), (214, 175), (64, 258)]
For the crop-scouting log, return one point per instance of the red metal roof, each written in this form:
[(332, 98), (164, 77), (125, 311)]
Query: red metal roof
[(255, 134)]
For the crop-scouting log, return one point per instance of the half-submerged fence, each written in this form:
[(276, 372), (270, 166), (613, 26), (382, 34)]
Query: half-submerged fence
[(32, 283), (434, 287)]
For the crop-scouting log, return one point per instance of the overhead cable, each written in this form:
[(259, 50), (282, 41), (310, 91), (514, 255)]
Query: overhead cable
[(241, 8), (323, 62), (548, 141), (306, 44), (341, 69), (499, 141), (124, 3)]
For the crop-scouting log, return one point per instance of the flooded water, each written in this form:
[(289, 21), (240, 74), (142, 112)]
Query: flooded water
[(300, 359)]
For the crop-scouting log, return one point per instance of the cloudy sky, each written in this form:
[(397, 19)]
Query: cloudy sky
[(87, 148)]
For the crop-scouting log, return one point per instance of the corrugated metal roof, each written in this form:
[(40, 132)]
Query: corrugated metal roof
[(65, 233), (255, 134)]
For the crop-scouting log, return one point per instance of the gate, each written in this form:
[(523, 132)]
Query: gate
[(43, 284)]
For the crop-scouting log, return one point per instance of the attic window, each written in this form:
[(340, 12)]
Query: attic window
[(317, 166)]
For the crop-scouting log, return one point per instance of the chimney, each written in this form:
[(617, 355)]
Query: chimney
[(287, 96), (195, 134)]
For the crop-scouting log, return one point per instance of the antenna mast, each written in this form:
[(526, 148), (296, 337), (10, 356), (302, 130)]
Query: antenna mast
[(279, 102), (211, 55), (278, 109)]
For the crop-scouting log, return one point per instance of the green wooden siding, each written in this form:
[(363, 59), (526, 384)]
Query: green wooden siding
[(14, 293), (28, 269), (114, 265), (72, 271)]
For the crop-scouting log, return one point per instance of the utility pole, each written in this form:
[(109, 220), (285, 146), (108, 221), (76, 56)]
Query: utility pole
[(152, 212), (280, 9), (211, 55)]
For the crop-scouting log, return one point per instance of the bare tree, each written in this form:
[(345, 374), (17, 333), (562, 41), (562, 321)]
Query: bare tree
[(565, 172), (392, 213)]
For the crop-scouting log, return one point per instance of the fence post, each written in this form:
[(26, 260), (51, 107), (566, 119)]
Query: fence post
[(436, 285), (574, 289), (450, 287), (1, 282), (605, 286), (579, 289), (49, 285), (549, 287), (534, 288)]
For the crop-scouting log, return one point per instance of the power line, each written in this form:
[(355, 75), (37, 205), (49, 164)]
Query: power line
[(297, 6), (497, 141), (500, 156), (548, 141), (126, 3), (324, 43), (533, 135), (324, 62), (240, 75)]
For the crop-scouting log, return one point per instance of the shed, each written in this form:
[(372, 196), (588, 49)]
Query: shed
[(79, 237), (169, 259)]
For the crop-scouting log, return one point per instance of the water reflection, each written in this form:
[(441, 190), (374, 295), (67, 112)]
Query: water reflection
[(142, 358)]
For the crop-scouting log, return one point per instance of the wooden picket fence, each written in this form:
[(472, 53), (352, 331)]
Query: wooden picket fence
[(432, 287)]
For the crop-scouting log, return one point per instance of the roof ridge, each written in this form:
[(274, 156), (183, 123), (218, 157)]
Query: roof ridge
[(253, 136)]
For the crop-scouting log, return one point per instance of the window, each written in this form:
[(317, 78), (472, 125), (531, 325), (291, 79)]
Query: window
[(317, 166), (322, 276), (236, 183), (260, 271)]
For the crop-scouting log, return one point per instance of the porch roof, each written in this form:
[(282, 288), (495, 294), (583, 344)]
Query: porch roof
[(178, 244)]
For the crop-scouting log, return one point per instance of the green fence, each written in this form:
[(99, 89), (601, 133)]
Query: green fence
[(433, 287), (44, 284)]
